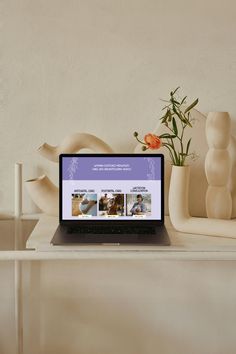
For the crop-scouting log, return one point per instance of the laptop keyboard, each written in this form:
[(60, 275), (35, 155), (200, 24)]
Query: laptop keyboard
[(110, 230)]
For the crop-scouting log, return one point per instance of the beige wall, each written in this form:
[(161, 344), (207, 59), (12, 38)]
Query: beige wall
[(101, 67)]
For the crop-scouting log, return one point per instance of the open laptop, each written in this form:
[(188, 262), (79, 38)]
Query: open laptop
[(111, 199)]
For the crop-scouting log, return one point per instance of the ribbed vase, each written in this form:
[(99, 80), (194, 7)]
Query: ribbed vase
[(218, 166)]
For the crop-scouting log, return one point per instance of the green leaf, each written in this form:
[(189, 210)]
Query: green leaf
[(183, 100), (166, 136), (183, 118), (169, 115), (187, 120), (166, 106), (175, 129), (175, 91), (163, 100), (188, 144), (188, 123), (174, 101), (191, 106), (178, 113), (174, 110), (164, 118)]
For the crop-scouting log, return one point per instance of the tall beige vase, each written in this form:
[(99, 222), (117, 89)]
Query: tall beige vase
[(178, 195), (218, 166)]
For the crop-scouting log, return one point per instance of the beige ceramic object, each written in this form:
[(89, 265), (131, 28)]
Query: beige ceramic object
[(179, 194), (218, 128), (219, 202), (72, 144), (179, 210), (42, 191), (44, 194), (218, 166)]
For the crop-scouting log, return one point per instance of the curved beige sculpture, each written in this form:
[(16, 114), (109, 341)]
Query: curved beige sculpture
[(42, 191), (72, 144), (218, 166), (179, 209), (44, 194)]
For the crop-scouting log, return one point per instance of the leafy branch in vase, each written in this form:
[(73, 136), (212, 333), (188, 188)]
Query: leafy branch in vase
[(176, 119)]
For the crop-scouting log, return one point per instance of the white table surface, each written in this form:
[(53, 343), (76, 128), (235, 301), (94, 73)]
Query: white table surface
[(186, 246), (183, 246)]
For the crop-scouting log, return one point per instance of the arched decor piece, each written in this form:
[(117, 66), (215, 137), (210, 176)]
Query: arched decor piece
[(42, 191), (74, 143)]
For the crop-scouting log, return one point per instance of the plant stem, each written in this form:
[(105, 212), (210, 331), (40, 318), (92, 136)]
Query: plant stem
[(141, 142), (172, 145), (170, 152)]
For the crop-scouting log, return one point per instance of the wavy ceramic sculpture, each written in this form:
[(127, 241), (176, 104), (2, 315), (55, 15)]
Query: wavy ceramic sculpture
[(42, 191), (44, 194), (72, 144), (218, 166), (179, 209)]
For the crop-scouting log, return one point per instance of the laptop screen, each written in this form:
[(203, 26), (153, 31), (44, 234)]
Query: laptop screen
[(111, 187)]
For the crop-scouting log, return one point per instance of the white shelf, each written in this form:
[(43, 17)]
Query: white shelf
[(118, 255), (183, 246)]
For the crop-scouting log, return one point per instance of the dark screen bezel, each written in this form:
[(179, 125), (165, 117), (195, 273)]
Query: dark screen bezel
[(115, 222)]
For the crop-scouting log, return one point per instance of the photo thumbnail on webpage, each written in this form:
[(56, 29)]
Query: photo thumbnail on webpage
[(138, 205), (84, 204), (111, 204)]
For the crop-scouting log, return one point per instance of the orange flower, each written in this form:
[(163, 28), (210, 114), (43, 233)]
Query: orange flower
[(153, 141)]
